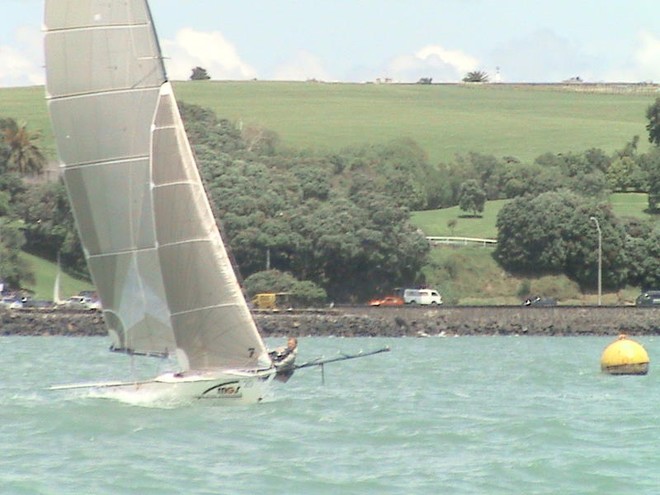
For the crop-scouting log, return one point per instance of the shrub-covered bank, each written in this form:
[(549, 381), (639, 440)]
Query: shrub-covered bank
[(363, 322)]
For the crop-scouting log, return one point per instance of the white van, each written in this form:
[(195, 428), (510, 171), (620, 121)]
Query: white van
[(422, 296)]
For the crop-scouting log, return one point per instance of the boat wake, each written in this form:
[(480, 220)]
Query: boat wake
[(139, 398)]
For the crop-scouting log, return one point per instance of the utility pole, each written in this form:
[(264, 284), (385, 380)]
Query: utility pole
[(600, 258)]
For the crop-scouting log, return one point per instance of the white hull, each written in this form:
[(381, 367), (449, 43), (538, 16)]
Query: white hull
[(227, 387)]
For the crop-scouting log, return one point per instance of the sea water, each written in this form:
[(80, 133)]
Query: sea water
[(455, 415)]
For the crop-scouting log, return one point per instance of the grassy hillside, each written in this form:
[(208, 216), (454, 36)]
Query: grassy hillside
[(632, 205), (523, 121), (436, 222), (28, 106), (45, 273), (469, 275)]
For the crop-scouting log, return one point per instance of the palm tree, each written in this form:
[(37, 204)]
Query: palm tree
[(22, 154), (476, 76)]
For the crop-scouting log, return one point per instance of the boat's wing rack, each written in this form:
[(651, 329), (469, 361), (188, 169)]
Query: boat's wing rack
[(322, 362)]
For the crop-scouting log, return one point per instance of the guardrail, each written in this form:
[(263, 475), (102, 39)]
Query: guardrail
[(460, 241)]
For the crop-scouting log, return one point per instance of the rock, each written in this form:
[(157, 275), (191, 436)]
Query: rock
[(370, 322)]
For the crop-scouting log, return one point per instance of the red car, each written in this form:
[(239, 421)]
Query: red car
[(387, 301)]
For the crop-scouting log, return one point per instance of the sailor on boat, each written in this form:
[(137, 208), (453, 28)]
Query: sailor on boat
[(284, 359)]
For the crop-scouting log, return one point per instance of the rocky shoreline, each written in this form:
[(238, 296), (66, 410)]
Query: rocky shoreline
[(383, 322)]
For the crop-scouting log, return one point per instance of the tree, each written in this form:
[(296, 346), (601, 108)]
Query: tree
[(654, 189), (334, 220), (581, 173), (314, 182), (199, 74), (643, 252), (653, 116), (259, 139), (630, 148), (472, 197), (552, 234), (303, 293), (15, 188), (476, 76), (489, 170), (14, 269), (598, 159), (593, 184), (22, 154), (307, 294), (621, 173), (398, 168), (650, 263), (47, 216)]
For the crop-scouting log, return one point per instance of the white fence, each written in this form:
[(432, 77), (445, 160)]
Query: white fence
[(461, 241)]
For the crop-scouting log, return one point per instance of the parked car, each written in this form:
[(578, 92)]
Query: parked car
[(11, 303), (422, 296), (37, 304), (387, 301), (540, 301), (81, 302), (648, 298)]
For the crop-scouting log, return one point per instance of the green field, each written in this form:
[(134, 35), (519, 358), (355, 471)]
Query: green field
[(518, 120), (45, 274), (523, 121), (470, 275), (436, 222), (28, 106)]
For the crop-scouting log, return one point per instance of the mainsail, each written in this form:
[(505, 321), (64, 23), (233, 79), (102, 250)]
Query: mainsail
[(152, 245)]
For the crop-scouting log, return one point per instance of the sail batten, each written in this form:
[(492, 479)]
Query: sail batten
[(207, 308), (95, 94), (119, 253), (98, 27), (173, 183), (73, 166), (151, 241)]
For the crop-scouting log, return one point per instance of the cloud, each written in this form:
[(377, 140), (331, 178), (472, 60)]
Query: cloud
[(433, 61), (641, 63), (647, 58), (542, 56), (209, 50), (302, 67), (435, 55), (22, 63)]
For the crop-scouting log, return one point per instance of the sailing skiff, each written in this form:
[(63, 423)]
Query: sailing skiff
[(152, 244)]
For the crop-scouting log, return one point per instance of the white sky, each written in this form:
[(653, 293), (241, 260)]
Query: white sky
[(361, 40)]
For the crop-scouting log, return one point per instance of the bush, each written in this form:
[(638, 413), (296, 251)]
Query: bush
[(269, 281), (525, 288), (303, 293), (308, 294)]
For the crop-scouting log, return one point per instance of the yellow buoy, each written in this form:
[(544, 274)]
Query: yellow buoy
[(624, 357)]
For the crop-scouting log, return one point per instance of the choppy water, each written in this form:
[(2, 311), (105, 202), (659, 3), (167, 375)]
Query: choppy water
[(469, 415)]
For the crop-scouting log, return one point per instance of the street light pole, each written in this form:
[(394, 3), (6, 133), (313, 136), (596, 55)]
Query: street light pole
[(600, 258)]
